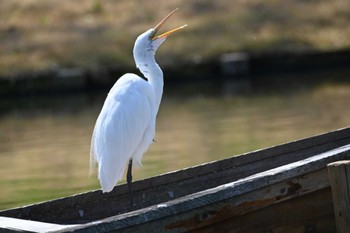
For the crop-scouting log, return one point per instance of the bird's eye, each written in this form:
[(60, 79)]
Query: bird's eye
[(152, 35)]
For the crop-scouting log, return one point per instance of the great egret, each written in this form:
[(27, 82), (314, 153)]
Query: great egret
[(125, 127)]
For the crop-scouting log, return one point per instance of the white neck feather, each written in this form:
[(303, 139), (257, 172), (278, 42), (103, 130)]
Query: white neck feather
[(151, 70)]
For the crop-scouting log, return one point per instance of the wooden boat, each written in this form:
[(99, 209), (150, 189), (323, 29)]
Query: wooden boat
[(279, 189)]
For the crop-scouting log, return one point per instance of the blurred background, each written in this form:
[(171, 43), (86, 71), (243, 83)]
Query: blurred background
[(242, 76)]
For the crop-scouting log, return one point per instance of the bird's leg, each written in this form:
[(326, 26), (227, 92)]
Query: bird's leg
[(129, 179)]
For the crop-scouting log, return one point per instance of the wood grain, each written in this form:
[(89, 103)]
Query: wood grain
[(339, 173)]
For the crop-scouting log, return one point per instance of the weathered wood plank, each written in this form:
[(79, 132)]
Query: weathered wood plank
[(284, 172), (339, 173), (237, 198), (95, 205), (258, 199), (311, 213), (28, 225)]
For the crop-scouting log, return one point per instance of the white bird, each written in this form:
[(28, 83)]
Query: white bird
[(125, 127)]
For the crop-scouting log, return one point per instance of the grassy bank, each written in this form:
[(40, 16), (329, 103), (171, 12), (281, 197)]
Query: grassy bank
[(39, 34)]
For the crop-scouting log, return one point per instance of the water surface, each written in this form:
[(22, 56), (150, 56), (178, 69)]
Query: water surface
[(45, 141)]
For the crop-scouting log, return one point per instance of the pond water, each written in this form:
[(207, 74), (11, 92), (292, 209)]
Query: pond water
[(45, 141)]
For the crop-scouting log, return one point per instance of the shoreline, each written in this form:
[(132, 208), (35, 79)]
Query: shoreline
[(240, 66)]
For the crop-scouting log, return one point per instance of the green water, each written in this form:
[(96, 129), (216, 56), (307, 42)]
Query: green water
[(44, 141)]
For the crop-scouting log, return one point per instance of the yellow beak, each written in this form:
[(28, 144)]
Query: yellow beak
[(161, 23)]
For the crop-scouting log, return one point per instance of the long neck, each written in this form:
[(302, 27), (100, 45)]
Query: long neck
[(154, 75)]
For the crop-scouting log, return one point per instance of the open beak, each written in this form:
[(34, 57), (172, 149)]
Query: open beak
[(161, 23)]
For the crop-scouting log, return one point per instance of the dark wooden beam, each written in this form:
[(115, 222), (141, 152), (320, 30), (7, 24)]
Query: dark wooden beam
[(339, 173)]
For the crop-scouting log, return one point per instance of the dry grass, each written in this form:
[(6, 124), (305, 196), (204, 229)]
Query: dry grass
[(36, 34)]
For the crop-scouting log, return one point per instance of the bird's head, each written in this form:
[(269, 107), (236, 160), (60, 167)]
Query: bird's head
[(148, 42)]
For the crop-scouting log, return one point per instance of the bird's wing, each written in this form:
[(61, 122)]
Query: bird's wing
[(120, 127)]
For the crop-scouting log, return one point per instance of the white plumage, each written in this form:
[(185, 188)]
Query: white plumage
[(126, 124), (124, 129)]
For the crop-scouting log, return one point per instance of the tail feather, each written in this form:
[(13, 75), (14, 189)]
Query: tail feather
[(108, 179)]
